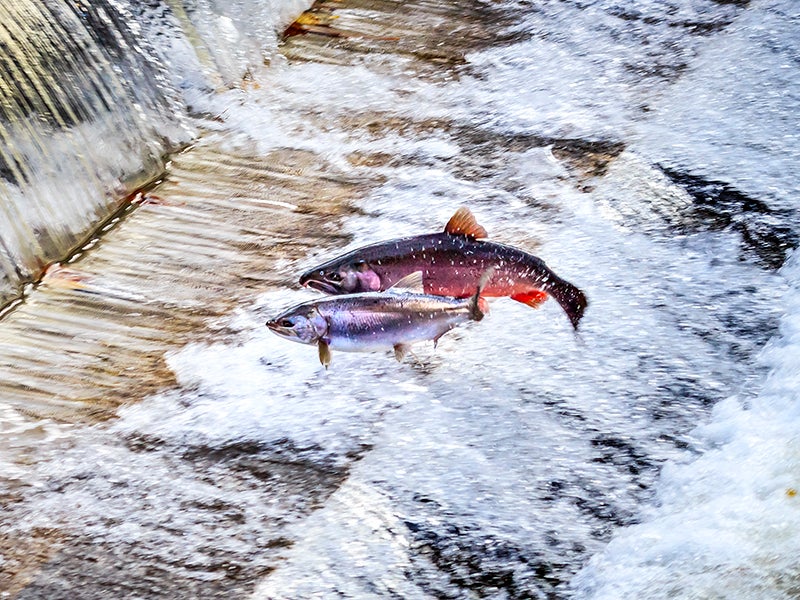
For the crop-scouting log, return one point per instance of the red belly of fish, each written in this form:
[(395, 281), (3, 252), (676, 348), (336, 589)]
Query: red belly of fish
[(499, 286)]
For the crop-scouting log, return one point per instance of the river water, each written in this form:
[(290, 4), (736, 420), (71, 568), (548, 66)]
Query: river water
[(648, 152)]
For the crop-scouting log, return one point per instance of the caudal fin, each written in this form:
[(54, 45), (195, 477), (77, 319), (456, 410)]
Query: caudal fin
[(571, 299), (477, 306)]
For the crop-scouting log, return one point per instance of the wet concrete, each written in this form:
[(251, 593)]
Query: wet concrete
[(195, 246)]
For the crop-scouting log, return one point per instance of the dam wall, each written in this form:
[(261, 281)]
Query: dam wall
[(93, 98)]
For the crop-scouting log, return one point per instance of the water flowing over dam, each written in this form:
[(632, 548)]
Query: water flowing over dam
[(94, 96), (169, 168)]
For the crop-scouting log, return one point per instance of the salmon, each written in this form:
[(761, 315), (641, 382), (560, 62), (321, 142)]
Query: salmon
[(371, 321), (451, 263)]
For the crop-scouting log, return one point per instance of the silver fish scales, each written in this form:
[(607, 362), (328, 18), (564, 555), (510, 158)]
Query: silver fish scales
[(374, 321)]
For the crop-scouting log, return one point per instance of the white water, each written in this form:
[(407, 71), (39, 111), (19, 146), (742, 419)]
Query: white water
[(517, 453), (724, 525)]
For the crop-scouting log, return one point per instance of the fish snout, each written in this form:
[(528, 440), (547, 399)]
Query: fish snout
[(315, 279), (280, 325), (306, 277)]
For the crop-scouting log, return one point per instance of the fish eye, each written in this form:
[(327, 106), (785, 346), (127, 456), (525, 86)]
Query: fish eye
[(334, 277), (286, 323)]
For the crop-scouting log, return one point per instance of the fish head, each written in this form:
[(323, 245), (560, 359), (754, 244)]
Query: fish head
[(343, 277), (301, 324)]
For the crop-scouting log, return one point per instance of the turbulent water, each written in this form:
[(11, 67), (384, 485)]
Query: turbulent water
[(648, 152)]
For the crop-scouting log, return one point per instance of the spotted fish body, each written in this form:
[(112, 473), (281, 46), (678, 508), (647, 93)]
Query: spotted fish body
[(374, 321), (451, 262)]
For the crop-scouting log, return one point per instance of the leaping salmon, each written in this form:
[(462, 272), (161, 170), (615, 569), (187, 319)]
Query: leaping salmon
[(374, 321), (451, 263)]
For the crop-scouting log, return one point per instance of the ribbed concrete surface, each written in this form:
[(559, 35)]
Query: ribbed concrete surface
[(93, 334)]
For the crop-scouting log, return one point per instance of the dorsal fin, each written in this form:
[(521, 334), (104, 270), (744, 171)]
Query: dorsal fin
[(410, 283), (463, 223)]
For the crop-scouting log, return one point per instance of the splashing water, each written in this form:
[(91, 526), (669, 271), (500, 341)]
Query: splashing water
[(651, 456)]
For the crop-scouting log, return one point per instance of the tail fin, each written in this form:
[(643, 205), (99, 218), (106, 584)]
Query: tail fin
[(571, 299), (476, 311)]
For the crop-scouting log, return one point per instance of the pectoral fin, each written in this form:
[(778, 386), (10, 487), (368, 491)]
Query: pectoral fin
[(533, 298), (400, 351), (477, 305), (324, 353), (411, 283)]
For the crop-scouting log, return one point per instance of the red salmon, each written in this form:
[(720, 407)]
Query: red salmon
[(451, 263)]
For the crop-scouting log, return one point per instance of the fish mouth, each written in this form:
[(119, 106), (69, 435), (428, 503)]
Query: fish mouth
[(280, 331), (322, 286)]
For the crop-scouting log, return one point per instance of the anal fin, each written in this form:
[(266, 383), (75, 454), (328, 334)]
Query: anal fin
[(400, 351), (437, 338), (533, 298)]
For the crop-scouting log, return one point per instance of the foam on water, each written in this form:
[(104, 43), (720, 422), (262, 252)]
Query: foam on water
[(724, 523), (731, 111), (498, 464), (586, 69), (721, 523), (492, 461)]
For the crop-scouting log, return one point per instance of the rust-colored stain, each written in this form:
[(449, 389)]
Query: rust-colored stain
[(320, 19)]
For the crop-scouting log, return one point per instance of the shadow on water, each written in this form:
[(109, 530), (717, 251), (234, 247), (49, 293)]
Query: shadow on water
[(766, 232)]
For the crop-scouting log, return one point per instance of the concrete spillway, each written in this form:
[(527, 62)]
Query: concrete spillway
[(93, 333), (158, 442)]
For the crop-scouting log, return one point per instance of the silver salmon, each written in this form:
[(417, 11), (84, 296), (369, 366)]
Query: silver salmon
[(451, 263), (374, 321)]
